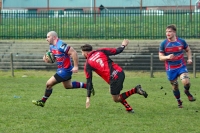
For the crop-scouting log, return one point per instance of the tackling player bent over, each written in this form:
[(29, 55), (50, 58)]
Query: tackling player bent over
[(100, 62)]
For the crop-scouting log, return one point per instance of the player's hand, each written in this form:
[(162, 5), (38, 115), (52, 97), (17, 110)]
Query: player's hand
[(171, 56), (87, 105), (45, 59), (189, 61), (125, 42), (75, 69)]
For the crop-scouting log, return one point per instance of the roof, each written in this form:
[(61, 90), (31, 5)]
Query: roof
[(89, 3)]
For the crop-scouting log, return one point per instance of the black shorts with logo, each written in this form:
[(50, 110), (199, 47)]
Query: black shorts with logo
[(116, 84)]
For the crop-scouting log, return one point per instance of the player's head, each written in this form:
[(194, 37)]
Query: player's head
[(171, 31), (85, 49), (52, 37)]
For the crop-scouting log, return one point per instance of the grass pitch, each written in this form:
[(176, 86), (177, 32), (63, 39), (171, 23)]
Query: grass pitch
[(65, 110)]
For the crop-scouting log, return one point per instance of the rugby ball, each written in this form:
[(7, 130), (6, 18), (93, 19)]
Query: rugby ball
[(51, 57)]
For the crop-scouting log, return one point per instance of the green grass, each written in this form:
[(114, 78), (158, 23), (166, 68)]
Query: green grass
[(65, 110)]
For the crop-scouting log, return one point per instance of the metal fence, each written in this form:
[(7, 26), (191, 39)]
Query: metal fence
[(149, 65), (107, 24)]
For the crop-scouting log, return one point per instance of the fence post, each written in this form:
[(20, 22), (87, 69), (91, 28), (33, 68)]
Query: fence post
[(151, 66), (11, 64), (194, 65)]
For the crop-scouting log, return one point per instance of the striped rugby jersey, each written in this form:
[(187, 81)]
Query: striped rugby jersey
[(177, 48), (60, 51)]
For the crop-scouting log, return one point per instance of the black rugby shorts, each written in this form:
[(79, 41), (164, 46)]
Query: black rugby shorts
[(116, 85)]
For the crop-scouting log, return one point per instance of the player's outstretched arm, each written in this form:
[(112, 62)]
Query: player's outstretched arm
[(115, 51), (125, 42), (90, 88)]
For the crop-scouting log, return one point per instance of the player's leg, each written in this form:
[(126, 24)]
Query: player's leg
[(74, 84), (116, 85), (48, 91), (67, 83), (172, 77), (123, 96), (117, 98), (186, 82), (176, 92), (137, 89)]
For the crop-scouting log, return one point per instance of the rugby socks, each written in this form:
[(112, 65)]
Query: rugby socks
[(177, 96), (126, 105), (47, 94), (78, 84), (187, 87), (128, 93), (124, 102), (189, 95)]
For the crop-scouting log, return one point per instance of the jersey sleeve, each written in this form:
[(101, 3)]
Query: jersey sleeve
[(162, 47), (64, 48), (112, 51), (50, 48), (88, 75), (185, 45)]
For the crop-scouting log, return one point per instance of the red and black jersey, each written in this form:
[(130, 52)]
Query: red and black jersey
[(99, 61)]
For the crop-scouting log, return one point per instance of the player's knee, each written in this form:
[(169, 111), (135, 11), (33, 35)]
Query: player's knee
[(116, 99), (48, 87), (175, 84), (68, 87), (49, 84), (186, 77)]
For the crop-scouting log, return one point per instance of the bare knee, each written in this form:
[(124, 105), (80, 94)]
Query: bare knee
[(185, 79), (67, 86), (174, 84), (48, 87), (116, 98), (51, 82)]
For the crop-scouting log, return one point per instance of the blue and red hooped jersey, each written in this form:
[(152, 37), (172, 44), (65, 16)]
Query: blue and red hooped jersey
[(60, 51), (177, 48)]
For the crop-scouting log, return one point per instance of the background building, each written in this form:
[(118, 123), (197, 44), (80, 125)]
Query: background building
[(87, 4)]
